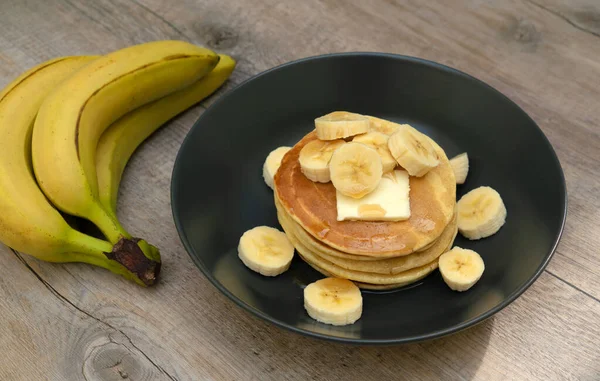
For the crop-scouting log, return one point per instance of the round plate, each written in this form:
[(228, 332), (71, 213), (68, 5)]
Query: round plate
[(218, 191)]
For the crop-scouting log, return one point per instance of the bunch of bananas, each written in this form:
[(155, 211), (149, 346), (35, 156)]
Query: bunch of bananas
[(67, 130)]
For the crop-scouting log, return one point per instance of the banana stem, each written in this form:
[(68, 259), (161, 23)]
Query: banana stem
[(140, 259), (128, 253), (88, 245), (108, 224), (125, 258)]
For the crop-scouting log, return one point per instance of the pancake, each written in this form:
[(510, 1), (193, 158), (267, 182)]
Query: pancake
[(398, 280), (371, 286), (313, 206), (383, 266), (365, 286), (405, 277), (315, 245), (399, 264)]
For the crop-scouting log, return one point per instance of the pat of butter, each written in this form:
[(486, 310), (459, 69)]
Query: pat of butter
[(388, 202)]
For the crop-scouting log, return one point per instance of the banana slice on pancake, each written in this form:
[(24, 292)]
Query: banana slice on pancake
[(266, 250), (356, 169), (314, 159), (341, 124), (382, 125), (333, 301), (461, 268), (413, 151), (481, 213), (272, 164), (379, 141), (460, 166)]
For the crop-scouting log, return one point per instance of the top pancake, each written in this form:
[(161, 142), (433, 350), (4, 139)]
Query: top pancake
[(313, 206)]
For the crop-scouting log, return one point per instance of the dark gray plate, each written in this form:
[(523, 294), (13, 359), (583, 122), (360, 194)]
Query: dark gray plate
[(218, 191)]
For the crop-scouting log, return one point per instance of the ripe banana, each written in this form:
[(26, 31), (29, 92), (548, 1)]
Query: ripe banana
[(333, 301), (382, 125), (461, 268), (272, 164), (121, 139), (413, 150), (356, 169), (340, 124), (481, 213), (460, 166), (266, 250), (28, 222), (74, 116), (379, 141), (314, 159)]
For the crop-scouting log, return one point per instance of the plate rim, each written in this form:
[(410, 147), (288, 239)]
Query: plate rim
[(388, 341)]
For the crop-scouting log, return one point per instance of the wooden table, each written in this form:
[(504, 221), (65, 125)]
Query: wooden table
[(77, 322)]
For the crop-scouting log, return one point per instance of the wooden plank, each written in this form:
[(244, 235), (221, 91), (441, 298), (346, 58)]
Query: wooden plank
[(49, 338), (184, 329), (82, 320), (580, 14)]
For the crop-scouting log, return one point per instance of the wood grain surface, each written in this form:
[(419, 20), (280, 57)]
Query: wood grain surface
[(77, 322)]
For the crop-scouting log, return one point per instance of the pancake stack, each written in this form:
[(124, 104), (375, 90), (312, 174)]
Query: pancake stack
[(373, 254)]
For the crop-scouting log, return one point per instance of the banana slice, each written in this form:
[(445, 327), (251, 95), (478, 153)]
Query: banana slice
[(314, 159), (356, 169), (460, 166), (413, 151), (266, 250), (272, 164), (481, 213), (382, 125), (341, 124), (461, 268), (333, 301), (379, 141)]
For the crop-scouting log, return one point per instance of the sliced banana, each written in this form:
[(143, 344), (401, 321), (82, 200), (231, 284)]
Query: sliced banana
[(460, 166), (379, 141), (272, 164), (382, 125), (314, 159), (461, 268), (341, 124), (356, 169), (413, 150), (481, 213), (266, 250), (333, 301)]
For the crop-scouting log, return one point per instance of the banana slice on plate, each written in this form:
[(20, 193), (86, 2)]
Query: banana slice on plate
[(341, 124), (413, 150), (266, 250), (272, 164), (379, 141), (382, 125), (333, 301), (460, 166), (356, 169), (481, 213), (314, 159), (461, 268)]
